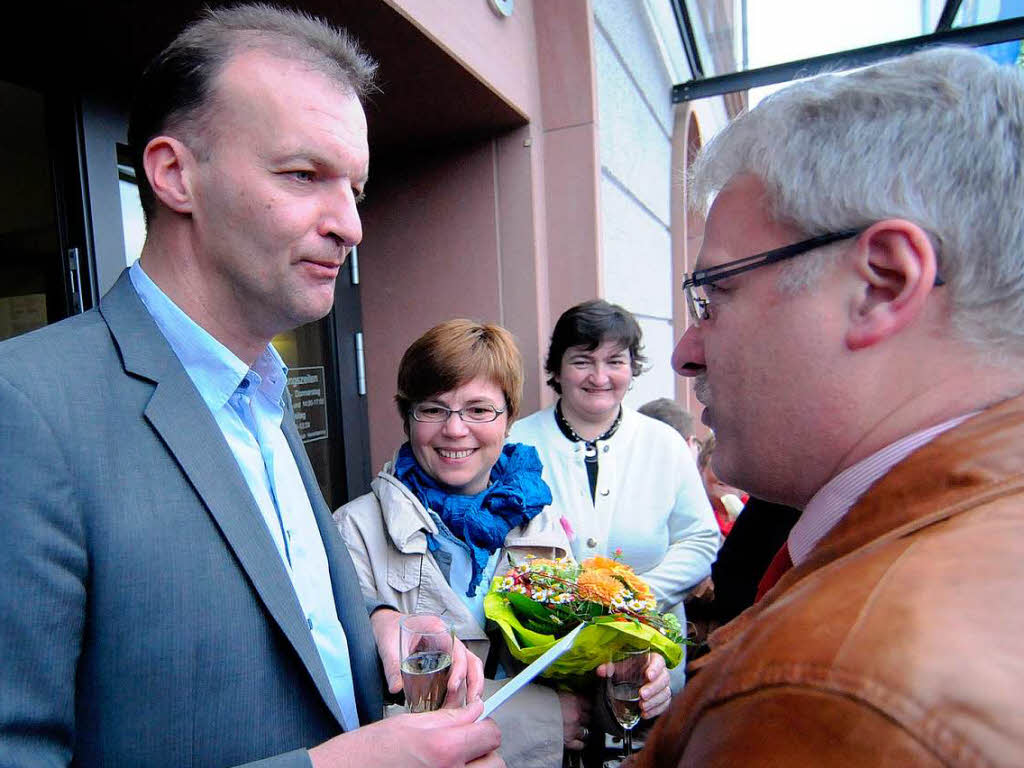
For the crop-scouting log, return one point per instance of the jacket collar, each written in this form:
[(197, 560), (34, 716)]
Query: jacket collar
[(405, 519), (976, 462), (970, 464), (144, 350)]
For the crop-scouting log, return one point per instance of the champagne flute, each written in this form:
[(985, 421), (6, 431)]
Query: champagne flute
[(629, 666), (425, 643)]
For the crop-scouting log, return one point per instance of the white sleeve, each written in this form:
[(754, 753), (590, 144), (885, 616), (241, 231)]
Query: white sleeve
[(693, 538)]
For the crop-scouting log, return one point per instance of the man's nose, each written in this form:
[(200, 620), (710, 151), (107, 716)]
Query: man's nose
[(688, 356), (340, 219)]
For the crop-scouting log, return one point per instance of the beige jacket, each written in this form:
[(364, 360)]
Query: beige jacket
[(386, 533), (899, 642)]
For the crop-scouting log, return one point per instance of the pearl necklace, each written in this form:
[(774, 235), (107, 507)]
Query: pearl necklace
[(589, 446)]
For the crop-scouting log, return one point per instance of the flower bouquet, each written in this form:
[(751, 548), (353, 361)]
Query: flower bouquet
[(539, 600)]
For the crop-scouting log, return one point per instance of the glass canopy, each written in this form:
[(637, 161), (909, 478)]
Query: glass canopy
[(724, 46)]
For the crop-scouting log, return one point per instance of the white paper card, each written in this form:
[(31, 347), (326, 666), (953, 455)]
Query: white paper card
[(509, 689)]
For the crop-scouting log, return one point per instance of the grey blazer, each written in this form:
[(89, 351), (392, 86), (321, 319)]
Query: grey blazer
[(146, 618)]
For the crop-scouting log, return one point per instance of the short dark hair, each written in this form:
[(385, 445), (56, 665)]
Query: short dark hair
[(672, 413), (589, 325), (176, 91), (454, 353)]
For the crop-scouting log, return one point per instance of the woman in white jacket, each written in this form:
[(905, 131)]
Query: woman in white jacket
[(441, 516), (621, 480)]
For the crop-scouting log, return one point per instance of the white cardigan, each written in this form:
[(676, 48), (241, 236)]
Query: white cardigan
[(650, 500)]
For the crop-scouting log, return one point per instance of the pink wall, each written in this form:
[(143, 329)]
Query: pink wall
[(504, 229), (498, 51), (429, 253), (571, 164), (508, 56)]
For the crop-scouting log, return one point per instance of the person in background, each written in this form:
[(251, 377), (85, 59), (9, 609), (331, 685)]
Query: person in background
[(756, 535), (726, 502), (456, 501), (858, 345), (172, 588), (672, 413), (621, 482)]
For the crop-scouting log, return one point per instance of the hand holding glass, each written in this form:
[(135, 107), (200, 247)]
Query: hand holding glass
[(426, 644), (628, 675)]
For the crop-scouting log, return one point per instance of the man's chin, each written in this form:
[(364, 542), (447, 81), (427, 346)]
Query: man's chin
[(317, 307)]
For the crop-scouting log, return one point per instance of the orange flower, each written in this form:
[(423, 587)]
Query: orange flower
[(636, 585), (598, 587), (597, 562)]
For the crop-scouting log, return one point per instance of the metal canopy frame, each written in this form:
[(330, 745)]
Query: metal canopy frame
[(702, 87)]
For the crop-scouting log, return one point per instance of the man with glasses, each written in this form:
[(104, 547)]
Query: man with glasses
[(857, 339)]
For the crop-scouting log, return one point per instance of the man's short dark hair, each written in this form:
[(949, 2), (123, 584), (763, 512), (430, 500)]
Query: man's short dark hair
[(589, 325), (177, 88), (672, 413)]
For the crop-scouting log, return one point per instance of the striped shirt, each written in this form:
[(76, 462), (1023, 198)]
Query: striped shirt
[(831, 503)]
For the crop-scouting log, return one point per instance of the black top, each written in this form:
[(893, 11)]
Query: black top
[(756, 536)]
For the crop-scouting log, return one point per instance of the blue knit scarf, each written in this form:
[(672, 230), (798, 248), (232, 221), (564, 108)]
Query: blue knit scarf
[(517, 494)]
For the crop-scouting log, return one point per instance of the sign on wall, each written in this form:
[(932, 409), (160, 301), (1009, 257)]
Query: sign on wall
[(308, 388)]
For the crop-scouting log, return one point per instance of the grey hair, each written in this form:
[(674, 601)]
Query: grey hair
[(177, 91), (934, 137)]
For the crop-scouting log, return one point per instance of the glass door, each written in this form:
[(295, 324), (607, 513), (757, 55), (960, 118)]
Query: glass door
[(41, 275), (328, 392)]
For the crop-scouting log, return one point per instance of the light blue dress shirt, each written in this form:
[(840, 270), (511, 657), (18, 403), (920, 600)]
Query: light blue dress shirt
[(246, 404)]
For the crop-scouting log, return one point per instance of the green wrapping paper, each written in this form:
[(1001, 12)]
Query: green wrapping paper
[(593, 646)]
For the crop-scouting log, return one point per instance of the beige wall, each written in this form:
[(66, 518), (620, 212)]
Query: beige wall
[(501, 228)]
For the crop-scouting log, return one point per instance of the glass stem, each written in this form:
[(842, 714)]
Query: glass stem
[(627, 741)]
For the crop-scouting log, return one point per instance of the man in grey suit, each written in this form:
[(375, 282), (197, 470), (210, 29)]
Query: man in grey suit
[(172, 589)]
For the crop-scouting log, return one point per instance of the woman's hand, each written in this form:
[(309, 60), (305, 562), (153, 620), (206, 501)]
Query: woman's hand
[(575, 717), (465, 681), (655, 695)]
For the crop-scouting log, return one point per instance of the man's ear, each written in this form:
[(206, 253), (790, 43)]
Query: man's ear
[(897, 265), (170, 168)]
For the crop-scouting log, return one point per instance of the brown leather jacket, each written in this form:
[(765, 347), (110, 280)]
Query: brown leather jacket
[(899, 642)]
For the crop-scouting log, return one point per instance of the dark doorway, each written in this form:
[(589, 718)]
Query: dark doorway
[(41, 280)]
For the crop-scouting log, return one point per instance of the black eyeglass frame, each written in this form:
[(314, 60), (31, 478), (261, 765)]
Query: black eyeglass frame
[(450, 411), (698, 307)]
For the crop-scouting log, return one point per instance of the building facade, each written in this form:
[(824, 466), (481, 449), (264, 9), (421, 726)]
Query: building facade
[(525, 156)]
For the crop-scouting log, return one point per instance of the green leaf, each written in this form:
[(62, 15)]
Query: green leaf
[(592, 647)]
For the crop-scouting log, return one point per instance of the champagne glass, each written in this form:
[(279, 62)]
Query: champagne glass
[(629, 666), (426, 642)]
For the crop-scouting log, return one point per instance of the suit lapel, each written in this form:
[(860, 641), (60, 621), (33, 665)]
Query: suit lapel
[(180, 416)]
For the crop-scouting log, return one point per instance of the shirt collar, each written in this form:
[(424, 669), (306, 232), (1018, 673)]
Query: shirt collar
[(831, 503), (214, 369)]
